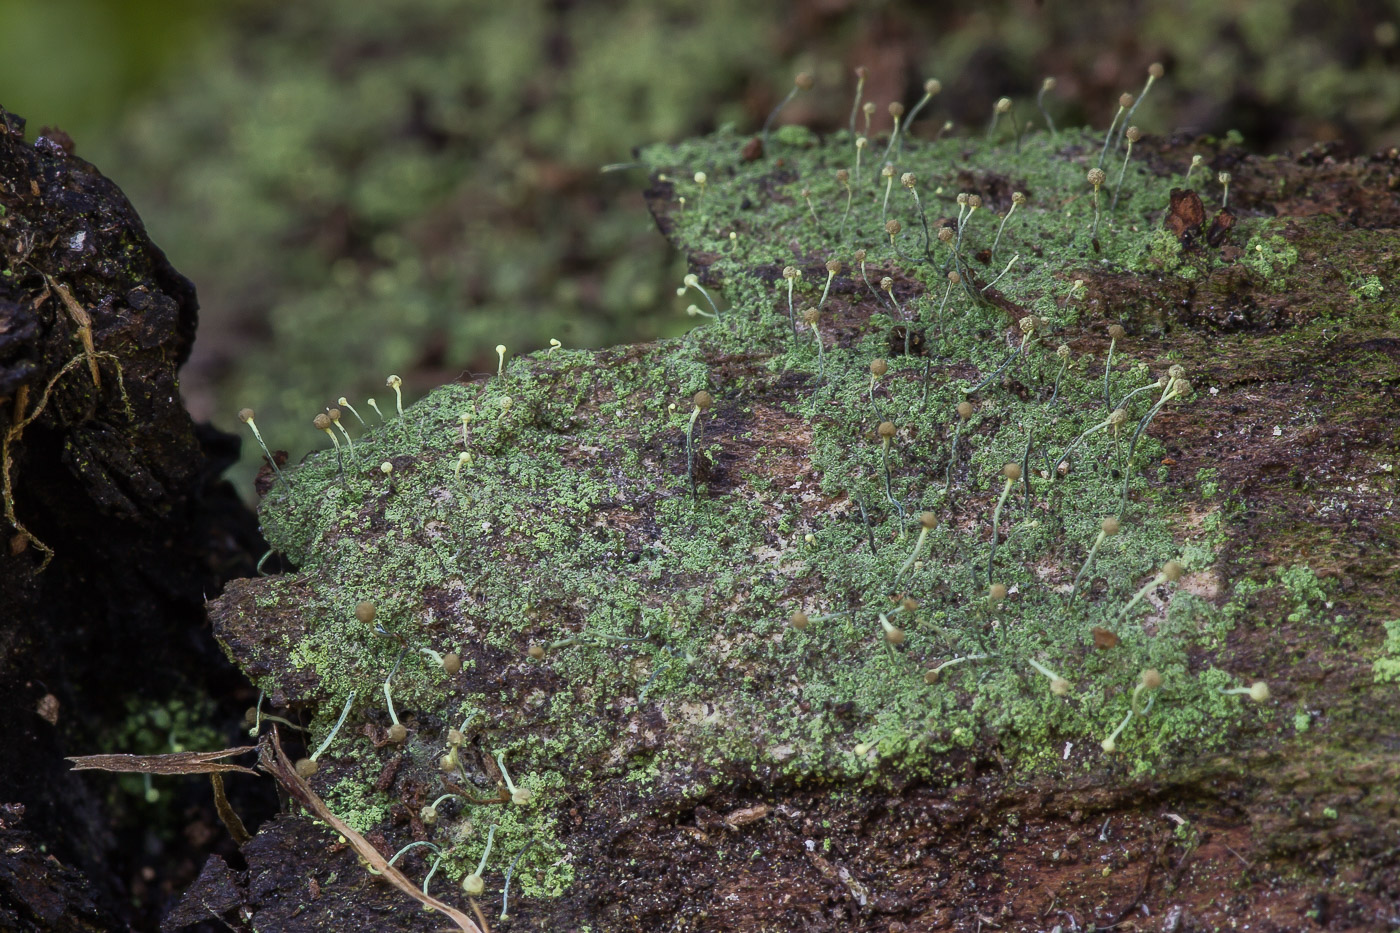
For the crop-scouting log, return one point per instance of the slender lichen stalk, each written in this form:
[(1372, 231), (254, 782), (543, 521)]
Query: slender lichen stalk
[(1045, 86), (833, 269), (1107, 529), (1177, 388), (307, 766), (896, 111), (802, 82), (693, 281), (1096, 178), (1154, 71), (927, 522), (887, 433), (520, 796), (791, 274), (811, 316), (887, 173), (1012, 472), (1058, 685), (855, 104), (1116, 418), (964, 413), (1124, 102), (1170, 573), (474, 884), (703, 400), (931, 88), (1133, 136), (1017, 199), (246, 416), (1115, 333)]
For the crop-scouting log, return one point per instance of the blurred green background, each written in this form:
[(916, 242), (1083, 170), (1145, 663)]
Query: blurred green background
[(397, 186)]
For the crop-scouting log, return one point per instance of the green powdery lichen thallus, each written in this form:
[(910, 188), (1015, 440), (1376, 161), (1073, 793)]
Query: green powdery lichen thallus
[(666, 567)]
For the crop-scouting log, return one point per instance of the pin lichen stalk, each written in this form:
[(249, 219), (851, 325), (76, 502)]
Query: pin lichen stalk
[(931, 88), (1107, 529), (802, 82), (1045, 87), (896, 110), (861, 74), (702, 401), (1017, 199), (1012, 473), (246, 416)]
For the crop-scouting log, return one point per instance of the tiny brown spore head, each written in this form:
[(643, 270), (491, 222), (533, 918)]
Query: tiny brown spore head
[(398, 732), (886, 429), (365, 612), (879, 367), (964, 410), (1103, 638), (322, 422), (703, 400), (452, 662)]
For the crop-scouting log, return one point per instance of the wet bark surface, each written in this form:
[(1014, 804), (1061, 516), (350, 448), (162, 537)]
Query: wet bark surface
[(116, 525)]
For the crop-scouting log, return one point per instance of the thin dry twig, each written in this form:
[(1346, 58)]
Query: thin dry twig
[(227, 814), (173, 763), (275, 762)]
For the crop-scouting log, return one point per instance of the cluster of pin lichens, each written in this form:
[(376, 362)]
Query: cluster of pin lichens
[(898, 626), (915, 240)]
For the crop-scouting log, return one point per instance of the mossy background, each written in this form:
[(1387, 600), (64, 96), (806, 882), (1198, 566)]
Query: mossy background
[(359, 189)]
